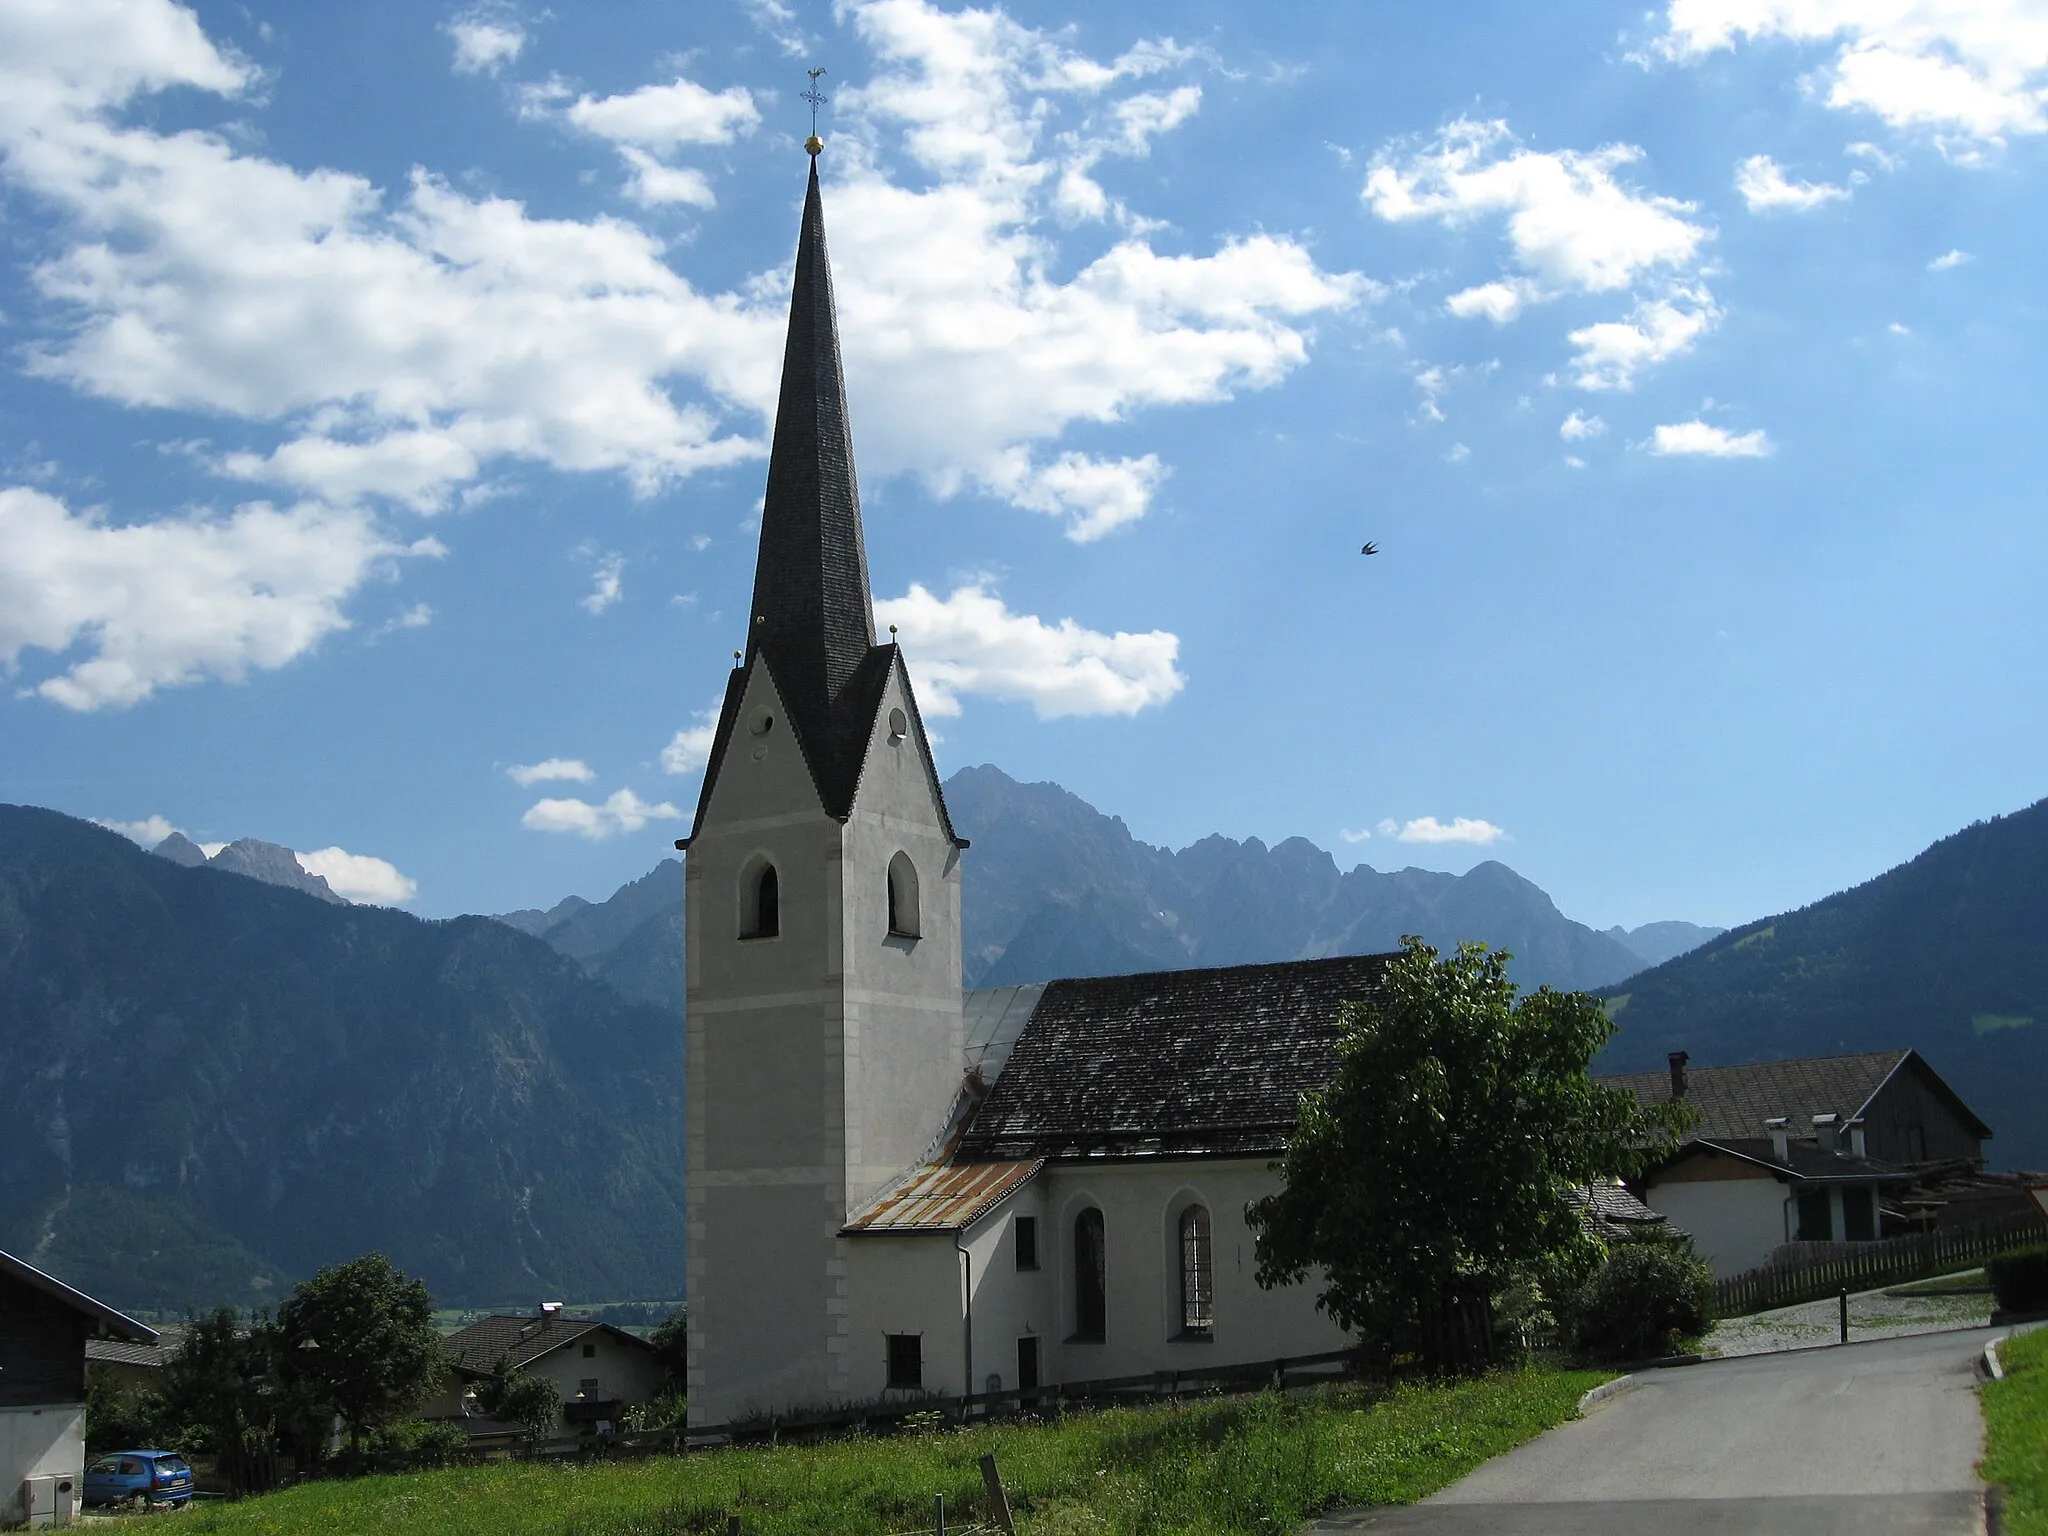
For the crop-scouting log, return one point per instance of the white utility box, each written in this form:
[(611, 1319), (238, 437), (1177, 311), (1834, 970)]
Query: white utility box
[(50, 1501)]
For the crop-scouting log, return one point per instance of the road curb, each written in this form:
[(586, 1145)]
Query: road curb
[(1604, 1391), (1992, 1369)]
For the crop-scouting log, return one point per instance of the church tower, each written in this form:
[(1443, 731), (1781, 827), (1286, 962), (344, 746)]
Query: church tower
[(822, 920)]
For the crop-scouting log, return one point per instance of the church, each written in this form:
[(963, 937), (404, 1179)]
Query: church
[(895, 1189)]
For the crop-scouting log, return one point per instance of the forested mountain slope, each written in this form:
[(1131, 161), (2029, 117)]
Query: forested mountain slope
[(210, 1086)]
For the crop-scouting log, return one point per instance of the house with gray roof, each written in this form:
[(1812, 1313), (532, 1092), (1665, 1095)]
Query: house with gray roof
[(597, 1371), (45, 1328), (1820, 1150)]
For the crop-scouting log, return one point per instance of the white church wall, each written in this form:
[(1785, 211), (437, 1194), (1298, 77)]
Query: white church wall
[(903, 1282), (903, 1031), (765, 1180), (1141, 1203)]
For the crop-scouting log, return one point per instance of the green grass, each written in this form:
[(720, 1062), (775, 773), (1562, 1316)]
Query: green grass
[(1969, 1282), (1235, 1468), (2016, 1430)]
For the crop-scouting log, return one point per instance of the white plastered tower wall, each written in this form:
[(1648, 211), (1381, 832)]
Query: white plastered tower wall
[(822, 1060)]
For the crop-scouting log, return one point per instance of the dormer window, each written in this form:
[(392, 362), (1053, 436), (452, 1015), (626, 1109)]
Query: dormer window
[(760, 902), (903, 913)]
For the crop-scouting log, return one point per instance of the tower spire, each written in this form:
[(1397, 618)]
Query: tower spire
[(812, 616)]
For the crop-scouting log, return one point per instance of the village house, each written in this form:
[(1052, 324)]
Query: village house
[(597, 1371), (1834, 1149), (45, 1326)]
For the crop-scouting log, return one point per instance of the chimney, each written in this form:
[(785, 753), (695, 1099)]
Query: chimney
[(1781, 1139), (550, 1308), (1678, 1061), (1857, 1145), (1826, 1132)]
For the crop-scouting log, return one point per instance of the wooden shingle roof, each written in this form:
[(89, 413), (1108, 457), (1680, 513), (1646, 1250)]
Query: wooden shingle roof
[(1170, 1063)]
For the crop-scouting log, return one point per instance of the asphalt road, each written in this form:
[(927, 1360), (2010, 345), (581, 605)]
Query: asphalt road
[(1857, 1440)]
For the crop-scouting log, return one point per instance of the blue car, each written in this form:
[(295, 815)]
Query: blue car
[(147, 1477)]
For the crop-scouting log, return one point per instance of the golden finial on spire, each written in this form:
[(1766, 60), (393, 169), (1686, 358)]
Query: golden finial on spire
[(817, 99)]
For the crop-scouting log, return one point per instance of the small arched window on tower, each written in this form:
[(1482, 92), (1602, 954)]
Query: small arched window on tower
[(760, 902), (1091, 1293), (1197, 1286), (903, 913)]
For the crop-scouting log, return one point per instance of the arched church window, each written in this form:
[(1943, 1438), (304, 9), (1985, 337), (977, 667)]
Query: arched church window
[(1197, 1286), (1091, 1264), (903, 913), (760, 902)]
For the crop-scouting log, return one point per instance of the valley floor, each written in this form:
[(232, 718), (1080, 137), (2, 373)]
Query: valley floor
[(1225, 1468)]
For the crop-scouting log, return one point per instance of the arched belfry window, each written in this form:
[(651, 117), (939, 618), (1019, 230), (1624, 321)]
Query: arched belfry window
[(760, 902), (903, 914), (1197, 1286), (1091, 1264)]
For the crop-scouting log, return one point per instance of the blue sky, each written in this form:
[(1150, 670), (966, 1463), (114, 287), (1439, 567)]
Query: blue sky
[(384, 393)]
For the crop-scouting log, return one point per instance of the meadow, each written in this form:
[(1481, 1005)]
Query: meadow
[(2016, 1432), (1227, 1467)]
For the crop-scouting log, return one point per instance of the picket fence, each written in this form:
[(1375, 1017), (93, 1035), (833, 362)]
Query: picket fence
[(1871, 1265)]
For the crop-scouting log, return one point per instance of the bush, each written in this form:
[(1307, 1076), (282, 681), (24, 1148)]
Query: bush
[(1648, 1296), (2019, 1279), (413, 1444)]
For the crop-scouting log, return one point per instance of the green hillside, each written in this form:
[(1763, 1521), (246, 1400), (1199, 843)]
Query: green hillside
[(211, 1086), (1947, 954)]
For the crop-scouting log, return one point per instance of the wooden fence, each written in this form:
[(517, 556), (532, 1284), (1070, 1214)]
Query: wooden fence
[(1871, 1265)]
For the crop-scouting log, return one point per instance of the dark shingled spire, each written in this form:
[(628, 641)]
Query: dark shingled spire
[(812, 623), (812, 617)]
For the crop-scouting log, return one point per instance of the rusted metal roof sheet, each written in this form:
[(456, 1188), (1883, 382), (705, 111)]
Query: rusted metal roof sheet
[(943, 1197)]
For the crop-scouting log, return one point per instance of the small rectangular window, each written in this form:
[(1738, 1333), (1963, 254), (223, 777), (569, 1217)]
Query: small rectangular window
[(1027, 1242), (587, 1388), (1027, 1364), (590, 1351), (906, 1359)]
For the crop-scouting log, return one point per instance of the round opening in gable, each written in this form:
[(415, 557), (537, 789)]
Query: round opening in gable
[(763, 722), (899, 725)]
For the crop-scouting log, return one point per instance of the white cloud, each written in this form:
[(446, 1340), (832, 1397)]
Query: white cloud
[(401, 343), (1948, 261), (550, 771), (1612, 352), (622, 811), (1576, 428), (159, 604), (777, 19), (418, 616), (1355, 834), (485, 41), (1765, 188), (1571, 225), (605, 585), (664, 118), (1968, 71), (360, 877), (690, 748), (1457, 453), (149, 831), (1700, 439), (970, 643), (1094, 495), (1427, 829)]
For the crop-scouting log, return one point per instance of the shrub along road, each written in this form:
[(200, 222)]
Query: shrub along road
[(1860, 1440)]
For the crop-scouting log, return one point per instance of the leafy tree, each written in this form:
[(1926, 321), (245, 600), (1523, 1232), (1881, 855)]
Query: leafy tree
[(671, 1343), (361, 1336), (223, 1394), (122, 1418), (513, 1396), (1438, 1161)]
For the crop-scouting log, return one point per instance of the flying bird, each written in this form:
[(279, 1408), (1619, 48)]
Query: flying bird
[(1370, 549)]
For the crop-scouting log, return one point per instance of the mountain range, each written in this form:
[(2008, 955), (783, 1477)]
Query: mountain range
[(210, 1085), (214, 1078)]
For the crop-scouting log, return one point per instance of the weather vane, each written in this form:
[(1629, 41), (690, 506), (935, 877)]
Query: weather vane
[(817, 99)]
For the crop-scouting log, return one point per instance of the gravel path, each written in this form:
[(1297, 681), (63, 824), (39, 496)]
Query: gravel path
[(1872, 1315)]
